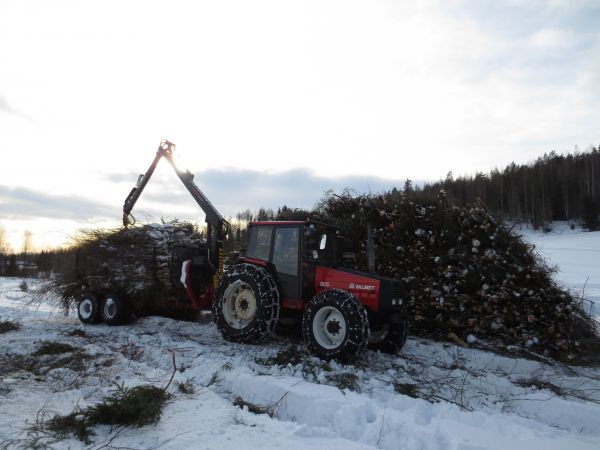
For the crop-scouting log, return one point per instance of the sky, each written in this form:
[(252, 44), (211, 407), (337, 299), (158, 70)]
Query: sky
[(275, 102)]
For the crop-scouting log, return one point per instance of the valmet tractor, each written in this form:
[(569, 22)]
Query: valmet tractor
[(290, 272)]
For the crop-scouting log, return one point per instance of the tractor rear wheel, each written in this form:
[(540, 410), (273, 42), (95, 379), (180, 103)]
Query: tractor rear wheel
[(335, 325), (390, 337), (114, 309), (246, 307), (88, 309)]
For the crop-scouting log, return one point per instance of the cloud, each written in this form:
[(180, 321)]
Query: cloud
[(9, 109), (4, 106), (25, 203), (124, 177), (234, 190), (556, 39), (230, 190), (392, 89)]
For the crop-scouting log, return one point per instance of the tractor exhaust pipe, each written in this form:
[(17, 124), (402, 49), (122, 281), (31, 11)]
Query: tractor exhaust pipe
[(370, 248)]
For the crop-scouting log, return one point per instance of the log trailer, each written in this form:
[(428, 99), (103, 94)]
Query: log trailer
[(291, 272)]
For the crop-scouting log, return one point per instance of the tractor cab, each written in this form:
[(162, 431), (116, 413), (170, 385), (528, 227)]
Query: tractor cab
[(291, 250), (292, 241)]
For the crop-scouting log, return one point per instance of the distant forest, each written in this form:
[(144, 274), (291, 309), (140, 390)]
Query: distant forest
[(554, 187)]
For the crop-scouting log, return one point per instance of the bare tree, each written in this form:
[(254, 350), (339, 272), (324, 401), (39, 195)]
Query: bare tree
[(27, 241), (4, 247)]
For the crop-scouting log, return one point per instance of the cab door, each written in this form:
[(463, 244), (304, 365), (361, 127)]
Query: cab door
[(286, 260)]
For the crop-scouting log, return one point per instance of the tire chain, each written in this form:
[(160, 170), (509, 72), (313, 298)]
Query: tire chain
[(267, 296), (358, 330)]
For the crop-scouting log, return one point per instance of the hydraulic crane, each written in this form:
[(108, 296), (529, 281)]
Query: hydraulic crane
[(217, 227)]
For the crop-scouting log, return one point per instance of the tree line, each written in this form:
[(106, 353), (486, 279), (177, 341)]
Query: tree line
[(552, 188)]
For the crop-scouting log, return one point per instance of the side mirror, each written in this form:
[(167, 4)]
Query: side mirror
[(323, 242)]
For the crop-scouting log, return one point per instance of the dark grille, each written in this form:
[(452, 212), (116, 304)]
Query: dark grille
[(397, 290), (392, 296)]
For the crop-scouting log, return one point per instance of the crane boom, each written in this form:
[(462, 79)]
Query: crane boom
[(217, 226)]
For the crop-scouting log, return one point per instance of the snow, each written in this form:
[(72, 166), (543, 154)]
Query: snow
[(431, 396), (577, 255)]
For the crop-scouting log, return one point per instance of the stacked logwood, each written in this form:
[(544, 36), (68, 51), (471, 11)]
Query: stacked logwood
[(468, 275), (134, 261)]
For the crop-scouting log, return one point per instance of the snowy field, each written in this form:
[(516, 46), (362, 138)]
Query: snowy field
[(576, 254), (432, 396)]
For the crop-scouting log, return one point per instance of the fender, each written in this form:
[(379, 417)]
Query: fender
[(365, 289)]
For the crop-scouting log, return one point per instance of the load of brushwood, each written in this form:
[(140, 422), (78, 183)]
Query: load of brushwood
[(134, 261), (468, 276)]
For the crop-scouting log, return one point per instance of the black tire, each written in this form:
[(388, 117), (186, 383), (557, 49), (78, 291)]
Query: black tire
[(391, 337), (114, 309), (88, 309), (246, 307), (324, 331)]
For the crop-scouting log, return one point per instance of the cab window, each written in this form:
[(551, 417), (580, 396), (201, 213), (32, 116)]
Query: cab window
[(259, 243), (318, 245), (285, 251)]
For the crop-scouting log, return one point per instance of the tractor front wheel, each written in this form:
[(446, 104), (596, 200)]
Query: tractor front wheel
[(335, 325), (246, 307)]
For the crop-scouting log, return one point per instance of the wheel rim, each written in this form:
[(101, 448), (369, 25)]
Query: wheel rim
[(86, 307), (239, 305), (110, 308), (329, 327)]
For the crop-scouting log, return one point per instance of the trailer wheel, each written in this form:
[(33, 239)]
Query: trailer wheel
[(335, 325), (114, 309), (246, 307), (88, 309), (390, 338)]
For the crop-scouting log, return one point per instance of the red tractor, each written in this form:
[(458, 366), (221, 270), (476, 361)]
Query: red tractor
[(291, 272)]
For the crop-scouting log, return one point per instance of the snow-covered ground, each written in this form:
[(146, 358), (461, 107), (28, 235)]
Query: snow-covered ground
[(432, 396)]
